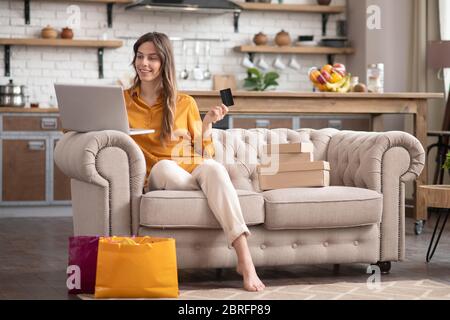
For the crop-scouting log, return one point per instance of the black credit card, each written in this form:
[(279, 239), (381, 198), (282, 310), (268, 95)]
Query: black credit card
[(227, 97)]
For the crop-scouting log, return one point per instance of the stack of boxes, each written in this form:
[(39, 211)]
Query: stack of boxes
[(296, 167)]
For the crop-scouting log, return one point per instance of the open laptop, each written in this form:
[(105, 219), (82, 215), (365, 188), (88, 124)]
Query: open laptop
[(85, 108)]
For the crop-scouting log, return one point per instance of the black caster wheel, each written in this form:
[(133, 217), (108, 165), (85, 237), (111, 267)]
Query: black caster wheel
[(418, 227), (385, 266)]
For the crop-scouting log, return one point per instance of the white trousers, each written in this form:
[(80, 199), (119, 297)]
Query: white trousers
[(213, 179)]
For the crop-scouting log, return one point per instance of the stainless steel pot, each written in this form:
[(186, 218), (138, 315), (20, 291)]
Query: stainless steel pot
[(12, 95), (11, 88), (12, 100)]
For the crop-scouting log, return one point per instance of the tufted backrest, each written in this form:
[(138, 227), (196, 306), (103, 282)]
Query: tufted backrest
[(240, 150)]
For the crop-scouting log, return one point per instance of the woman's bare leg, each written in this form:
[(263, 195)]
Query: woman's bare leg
[(245, 266), (223, 201)]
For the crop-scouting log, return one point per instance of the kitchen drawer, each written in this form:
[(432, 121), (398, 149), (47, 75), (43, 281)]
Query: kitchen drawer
[(262, 122), (356, 124), (31, 123)]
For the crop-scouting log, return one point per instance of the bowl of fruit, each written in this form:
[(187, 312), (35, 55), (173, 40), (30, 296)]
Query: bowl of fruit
[(330, 78)]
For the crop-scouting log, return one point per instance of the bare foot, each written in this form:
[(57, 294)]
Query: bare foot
[(251, 279)]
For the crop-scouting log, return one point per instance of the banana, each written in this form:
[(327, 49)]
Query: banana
[(335, 86), (346, 86)]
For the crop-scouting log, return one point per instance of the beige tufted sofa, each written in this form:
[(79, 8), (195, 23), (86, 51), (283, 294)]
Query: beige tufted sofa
[(358, 219)]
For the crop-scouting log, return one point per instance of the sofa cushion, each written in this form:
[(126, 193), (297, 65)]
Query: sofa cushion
[(327, 207), (189, 209)]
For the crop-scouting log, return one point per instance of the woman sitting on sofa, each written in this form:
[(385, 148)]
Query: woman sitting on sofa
[(179, 154)]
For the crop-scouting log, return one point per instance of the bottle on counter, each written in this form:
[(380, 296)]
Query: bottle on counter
[(380, 67), (375, 78), (353, 82)]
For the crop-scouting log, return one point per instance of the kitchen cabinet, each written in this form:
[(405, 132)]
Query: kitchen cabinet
[(28, 174), (23, 167), (357, 123), (261, 121)]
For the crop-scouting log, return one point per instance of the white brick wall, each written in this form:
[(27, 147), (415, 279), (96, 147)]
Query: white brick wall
[(40, 67)]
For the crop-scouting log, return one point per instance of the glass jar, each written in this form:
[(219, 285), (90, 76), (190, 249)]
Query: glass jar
[(375, 78), (380, 67), (353, 82)]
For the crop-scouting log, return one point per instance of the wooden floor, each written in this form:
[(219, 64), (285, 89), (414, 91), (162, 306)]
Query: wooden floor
[(33, 260)]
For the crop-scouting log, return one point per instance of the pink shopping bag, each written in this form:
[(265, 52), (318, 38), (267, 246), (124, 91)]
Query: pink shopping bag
[(82, 266)]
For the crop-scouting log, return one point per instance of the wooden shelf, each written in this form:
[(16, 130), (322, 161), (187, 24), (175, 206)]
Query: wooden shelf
[(294, 49), (254, 6), (91, 1), (89, 43), (81, 43)]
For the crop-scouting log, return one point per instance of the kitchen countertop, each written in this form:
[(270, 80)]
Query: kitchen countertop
[(27, 110), (296, 94), (273, 94)]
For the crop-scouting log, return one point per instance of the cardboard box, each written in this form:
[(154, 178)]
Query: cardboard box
[(299, 147), (300, 166), (296, 157), (289, 158), (296, 175)]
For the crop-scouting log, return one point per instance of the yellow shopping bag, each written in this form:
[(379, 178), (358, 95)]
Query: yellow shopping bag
[(136, 267)]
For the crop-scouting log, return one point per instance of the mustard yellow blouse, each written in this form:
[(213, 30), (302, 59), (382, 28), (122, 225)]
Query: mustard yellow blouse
[(187, 147)]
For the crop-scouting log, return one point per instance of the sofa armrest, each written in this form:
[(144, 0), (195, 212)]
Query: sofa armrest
[(107, 171), (357, 157), (383, 162)]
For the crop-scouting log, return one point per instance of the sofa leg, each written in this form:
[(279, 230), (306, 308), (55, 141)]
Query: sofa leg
[(219, 272), (385, 266)]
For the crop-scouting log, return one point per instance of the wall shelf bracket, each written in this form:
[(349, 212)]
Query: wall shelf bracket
[(236, 16), (109, 9), (26, 9), (100, 62), (325, 17), (7, 61), (330, 59)]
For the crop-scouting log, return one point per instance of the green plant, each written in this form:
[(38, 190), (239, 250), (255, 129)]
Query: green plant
[(447, 161), (258, 81)]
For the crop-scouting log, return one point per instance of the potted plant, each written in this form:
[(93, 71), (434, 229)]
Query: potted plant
[(258, 81)]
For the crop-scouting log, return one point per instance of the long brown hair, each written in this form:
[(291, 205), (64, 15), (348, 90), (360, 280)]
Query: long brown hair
[(168, 77)]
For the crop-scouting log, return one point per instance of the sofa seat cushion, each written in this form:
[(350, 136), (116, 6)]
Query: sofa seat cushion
[(189, 209), (327, 207)]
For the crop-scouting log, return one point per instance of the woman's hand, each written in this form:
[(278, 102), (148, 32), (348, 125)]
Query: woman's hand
[(215, 114)]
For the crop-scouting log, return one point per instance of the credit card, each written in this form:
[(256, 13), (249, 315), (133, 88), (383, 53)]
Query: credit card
[(227, 97)]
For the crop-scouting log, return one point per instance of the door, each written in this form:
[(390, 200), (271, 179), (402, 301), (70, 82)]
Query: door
[(24, 174)]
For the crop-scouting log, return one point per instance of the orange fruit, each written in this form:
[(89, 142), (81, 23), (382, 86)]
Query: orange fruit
[(314, 74), (321, 87), (327, 68)]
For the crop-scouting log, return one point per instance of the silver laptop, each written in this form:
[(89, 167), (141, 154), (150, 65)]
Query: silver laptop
[(85, 108)]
